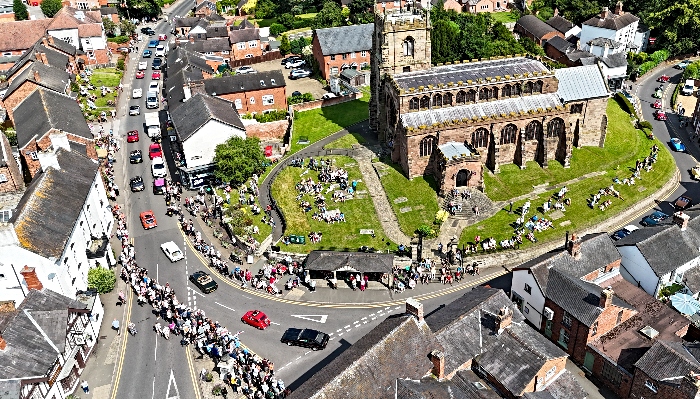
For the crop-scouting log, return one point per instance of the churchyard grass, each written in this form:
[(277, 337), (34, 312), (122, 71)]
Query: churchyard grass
[(359, 213), (346, 141), (624, 145)]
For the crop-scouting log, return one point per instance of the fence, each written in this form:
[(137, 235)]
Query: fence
[(99, 66), (271, 56)]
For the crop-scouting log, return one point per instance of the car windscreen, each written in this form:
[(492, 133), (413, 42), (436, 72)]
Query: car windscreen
[(152, 99), (158, 166)]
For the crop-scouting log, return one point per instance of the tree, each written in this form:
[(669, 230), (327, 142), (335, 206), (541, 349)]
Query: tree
[(361, 11), (20, 10), (101, 279), (142, 8), (530, 46), (277, 29), (444, 35), (110, 26), (297, 45), (127, 27), (287, 20), (237, 159), (265, 9), (285, 46), (676, 26), (51, 7), (330, 16)]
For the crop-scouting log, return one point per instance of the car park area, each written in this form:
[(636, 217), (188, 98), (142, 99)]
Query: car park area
[(303, 85)]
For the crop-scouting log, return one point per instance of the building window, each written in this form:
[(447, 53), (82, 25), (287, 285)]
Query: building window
[(594, 329), (437, 100), (82, 5), (528, 88), (241, 46), (397, 3), (651, 386), (505, 91), (413, 103), (566, 319), (611, 373), (485, 94), (576, 108), (555, 128), (5, 215), (225, 52), (533, 130), (334, 71), (364, 54), (461, 97), (345, 56), (619, 317), (471, 96), (480, 138), (426, 146), (238, 103), (268, 99), (252, 44), (563, 339), (509, 134), (548, 328), (537, 87), (249, 56), (528, 289), (352, 55), (3, 178), (333, 57), (252, 100), (550, 373), (425, 102), (447, 99), (408, 45), (517, 90)]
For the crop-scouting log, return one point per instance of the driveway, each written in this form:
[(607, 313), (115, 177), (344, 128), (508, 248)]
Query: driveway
[(303, 85), (35, 12)]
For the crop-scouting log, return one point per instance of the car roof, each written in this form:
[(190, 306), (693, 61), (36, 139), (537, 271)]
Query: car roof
[(154, 145), (170, 245)]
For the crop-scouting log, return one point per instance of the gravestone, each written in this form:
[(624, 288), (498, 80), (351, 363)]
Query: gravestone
[(400, 200)]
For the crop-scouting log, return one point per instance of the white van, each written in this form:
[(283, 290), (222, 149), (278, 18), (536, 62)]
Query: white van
[(152, 100), (688, 87)]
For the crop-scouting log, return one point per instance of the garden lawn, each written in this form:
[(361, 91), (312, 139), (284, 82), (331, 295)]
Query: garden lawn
[(109, 77), (624, 145), (359, 213), (505, 16), (420, 194), (319, 123)]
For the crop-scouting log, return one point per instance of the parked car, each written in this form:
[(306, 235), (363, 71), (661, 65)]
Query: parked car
[(132, 136), (162, 37), (677, 144), (660, 115), (143, 65), (306, 338), (245, 69), (137, 93), (624, 232), (159, 186), (328, 95), (136, 184), (256, 319), (154, 87), (124, 50), (140, 74), (172, 251), (155, 75), (157, 63), (290, 59), (134, 110), (299, 73), (296, 63), (147, 53), (654, 219), (682, 202), (155, 151), (148, 220), (148, 31), (160, 51), (656, 104), (153, 44), (152, 101), (135, 156), (682, 65), (296, 93), (158, 167), (203, 281)]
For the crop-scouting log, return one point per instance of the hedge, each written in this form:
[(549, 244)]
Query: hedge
[(626, 104)]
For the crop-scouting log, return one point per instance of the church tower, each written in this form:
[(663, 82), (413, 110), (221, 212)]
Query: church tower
[(401, 43)]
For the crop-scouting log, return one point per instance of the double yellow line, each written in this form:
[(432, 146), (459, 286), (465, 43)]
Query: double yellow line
[(122, 352)]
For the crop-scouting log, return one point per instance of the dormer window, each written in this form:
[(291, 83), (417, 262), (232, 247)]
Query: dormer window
[(272, 81), (262, 83)]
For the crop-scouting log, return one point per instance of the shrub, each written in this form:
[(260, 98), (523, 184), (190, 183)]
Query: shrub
[(674, 96), (300, 99), (273, 116), (11, 137), (118, 39), (302, 23), (626, 104), (425, 231), (120, 64), (101, 279), (277, 29), (307, 97), (646, 67), (441, 216), (209, 377), (645, 125)]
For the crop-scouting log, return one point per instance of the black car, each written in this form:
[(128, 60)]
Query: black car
[(157, 63), (203, 281), (135, 156), (296, 94), (148, 31), (136, 184), (306, 337)]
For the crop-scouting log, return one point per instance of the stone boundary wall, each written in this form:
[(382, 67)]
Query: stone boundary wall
[(325, 103)]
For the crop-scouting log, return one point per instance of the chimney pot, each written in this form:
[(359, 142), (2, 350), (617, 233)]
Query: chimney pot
[(574, 246), (618, 8), (606, 297), (604, 13), (415, 308)]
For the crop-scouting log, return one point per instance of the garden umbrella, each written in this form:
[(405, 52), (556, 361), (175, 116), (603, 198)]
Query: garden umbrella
[(685, 303)]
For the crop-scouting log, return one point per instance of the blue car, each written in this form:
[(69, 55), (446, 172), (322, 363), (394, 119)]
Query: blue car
[(153, 44), (677, 144), (654, 219), (147, 53)]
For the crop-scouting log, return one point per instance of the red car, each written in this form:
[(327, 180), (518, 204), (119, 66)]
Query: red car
[(256, 319), (656, 104), (162, 36), (148, 220), (132, 136), (663, 78), (155, 75), (660, 115), (140, 75), (154, 151)]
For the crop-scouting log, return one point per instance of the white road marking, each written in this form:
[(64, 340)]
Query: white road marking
[(374, 318), (153, 395), (277, 324), (364, 322), (332, 338), (348, 326), (364, 318), (397, 308), (224, 306), (322, 317), (198, 293), (340, 335), (171, 382), (339, 330)]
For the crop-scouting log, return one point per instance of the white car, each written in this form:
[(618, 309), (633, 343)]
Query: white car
[(137, 93), (143, 65), (328, 95), (294, 64), (158, 167), (172, 251), (154, 87), (160, 51), (299, 73), (245, 69)]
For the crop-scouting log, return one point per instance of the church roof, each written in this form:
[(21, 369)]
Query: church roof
[(469, 71), (490, 108)]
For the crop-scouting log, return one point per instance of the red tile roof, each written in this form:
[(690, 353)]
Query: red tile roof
[(21, 35)]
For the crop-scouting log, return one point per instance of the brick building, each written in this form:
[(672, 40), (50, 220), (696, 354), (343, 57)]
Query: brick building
[(341, 48), (11, 182), (251, 93), (668, 370), (17, 36), (30, 77), (204, 9), (502, 111), (245, 43), (536, 29), (82, 29)]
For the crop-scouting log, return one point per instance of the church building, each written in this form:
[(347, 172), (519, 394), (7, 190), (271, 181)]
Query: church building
[(449, 121)]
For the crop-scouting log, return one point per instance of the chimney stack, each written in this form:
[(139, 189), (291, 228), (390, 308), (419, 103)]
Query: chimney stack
[(606, 297), (618, 8), (504, 319), (681, 219), (37, 78), (438, 359), (574, 246), (604, 13), (31, 278), (415, 308)]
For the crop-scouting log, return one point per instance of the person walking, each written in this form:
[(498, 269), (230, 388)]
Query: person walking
[(86, 388)]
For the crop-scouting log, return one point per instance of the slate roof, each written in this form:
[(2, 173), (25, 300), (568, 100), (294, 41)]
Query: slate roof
[(205, 46), (490, 108), (560, 44), (669, 248), (559, 23), (201, 109), (28, 352), (345, 39), (44, 110), (613, 21), (430, 388), (597, 251), (108, 11), (691, 278), (54, 58), (244, 83), (244, 35), (581, 83), (534, 26), (396, 348), (10, 389), (64, 46), (625, 344), (469, 71), (603, 41), (565, 386), (217, 30), (668, 361), (245, 24), (49, 77), (175, 91), (21, 35), (615, 60), (181, 58), (50, 207), (578, 297), (187, 22), (356, 261)]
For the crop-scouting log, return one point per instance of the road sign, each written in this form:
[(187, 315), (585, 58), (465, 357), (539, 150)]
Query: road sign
[(311, 317)]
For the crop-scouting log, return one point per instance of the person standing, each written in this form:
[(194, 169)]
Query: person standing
[(86, 388)]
